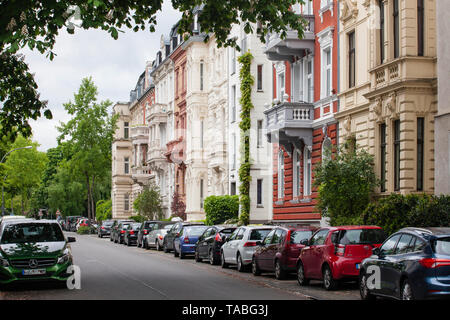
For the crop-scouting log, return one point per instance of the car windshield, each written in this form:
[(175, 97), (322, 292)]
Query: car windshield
[(299, 235), (196, 231), (442, 246), (135, 226), (108, 223), (32, 232), (168, 227), (259, 234), (362, 236), (125, 226)]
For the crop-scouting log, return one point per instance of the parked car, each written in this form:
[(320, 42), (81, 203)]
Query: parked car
[(82, 223), (33, 250), (71, 221), (186, 240), (240, 246), (173, 233), (155, 236), (131, 232), (413, 263), (147, 227), (210, 242), (105, 228), (121, 229), (114, 233), (335, 254), (278, 252)]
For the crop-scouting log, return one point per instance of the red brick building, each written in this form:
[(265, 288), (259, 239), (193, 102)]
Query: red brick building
[(300, 123)]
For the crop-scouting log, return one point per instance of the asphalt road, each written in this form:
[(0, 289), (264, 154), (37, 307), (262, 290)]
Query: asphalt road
[(113, 271)]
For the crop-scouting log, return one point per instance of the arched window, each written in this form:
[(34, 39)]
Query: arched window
[(296, 172), (280, 174), (307, 168)]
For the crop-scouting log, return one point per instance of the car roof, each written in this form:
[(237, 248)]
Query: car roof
[(350, 227), (30, 220), (427, 231)]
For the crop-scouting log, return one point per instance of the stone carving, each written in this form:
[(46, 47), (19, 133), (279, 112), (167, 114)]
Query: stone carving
[(391, 105)]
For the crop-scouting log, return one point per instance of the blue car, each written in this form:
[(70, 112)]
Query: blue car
[(185, 241), (413, 263)]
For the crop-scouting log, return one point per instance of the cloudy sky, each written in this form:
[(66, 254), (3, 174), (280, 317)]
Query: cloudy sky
[(114, 65)]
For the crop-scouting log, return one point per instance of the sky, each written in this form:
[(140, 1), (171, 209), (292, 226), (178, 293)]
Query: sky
[(115, 66)]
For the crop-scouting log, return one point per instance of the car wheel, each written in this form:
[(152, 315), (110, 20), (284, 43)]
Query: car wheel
[(182, 255), (280, 274), (222, 261), (328, 282), (363, 289), (197, 257), (240, 264), (212, 260), (301, 279), (158, 246), (128, 243), (165, 249), (255, 269), (406, 293)]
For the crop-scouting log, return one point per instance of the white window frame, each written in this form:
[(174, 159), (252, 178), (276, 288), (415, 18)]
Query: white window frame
[(326, 73), (308, 92), (281, 89), (296, 174)]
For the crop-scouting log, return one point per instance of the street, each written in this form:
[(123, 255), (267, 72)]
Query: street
[(112, 271)]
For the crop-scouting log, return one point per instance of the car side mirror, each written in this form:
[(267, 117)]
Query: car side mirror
[(376, 251), (304, 242), (71, 239)]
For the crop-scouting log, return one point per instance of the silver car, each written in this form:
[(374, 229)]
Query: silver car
[(239, 247), (155, 238)]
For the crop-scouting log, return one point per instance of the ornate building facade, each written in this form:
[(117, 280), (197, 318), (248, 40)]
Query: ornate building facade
[(388, 94)]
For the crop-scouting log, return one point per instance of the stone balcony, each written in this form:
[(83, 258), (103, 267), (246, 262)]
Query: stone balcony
[(139, 134), (278, 49), (290, 122), (175, 150), (141, 174)]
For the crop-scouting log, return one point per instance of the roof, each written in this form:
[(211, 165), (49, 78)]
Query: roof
[(428, 230)]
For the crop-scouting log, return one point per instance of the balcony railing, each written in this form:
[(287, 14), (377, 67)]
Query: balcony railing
[(289, 122), (139, 131), (278, 49)]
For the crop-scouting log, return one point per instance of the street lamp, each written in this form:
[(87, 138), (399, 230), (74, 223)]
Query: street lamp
[(3, 184)]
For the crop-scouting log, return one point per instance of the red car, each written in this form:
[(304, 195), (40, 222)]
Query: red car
[(279, 250), (335, 253)]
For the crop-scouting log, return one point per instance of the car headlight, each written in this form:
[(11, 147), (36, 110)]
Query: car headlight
[(66, 256), (4, 262)]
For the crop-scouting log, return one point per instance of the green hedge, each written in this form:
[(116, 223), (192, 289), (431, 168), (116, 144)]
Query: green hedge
[(221, 208), (138, 218), (398, 211), (84, 230)]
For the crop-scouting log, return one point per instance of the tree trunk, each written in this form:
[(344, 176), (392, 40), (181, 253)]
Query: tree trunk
[(92, 198), (88, 196)]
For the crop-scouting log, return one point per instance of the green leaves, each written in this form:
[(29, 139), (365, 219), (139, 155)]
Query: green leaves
[(149, 203), (219, 209)]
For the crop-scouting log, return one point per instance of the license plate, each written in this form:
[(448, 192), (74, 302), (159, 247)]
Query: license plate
[(357, 266), (33, 272)]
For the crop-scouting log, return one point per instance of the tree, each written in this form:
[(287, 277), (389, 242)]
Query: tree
[(103, 210), (37, 23), (88, 137), (149, 203), (345, 181), (221, 208), (178, 207), (24, 168)]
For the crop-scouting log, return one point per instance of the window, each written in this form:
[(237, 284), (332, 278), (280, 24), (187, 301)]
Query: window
[(351, 60), (420, 27), (281, 86), (420, 152), (233, 158), (296, 173), (396, 29), (259, 138), (403, 245), (268, 238), (162, 133), (307, 172), (126, 165), (201, 193), (201, 76), (389, 246), (240, 234), (309, 81), (319, 238), (202, 134), (126, 130), (383, 156), (308, 7), (397, 155), (259, 192), (260, 77), (233, 60), (280, 174), (381, 44), (233, 188), (233, 103), (126, 204), (326, 72)]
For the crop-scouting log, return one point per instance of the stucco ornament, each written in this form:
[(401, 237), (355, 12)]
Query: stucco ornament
[(391, 105)]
